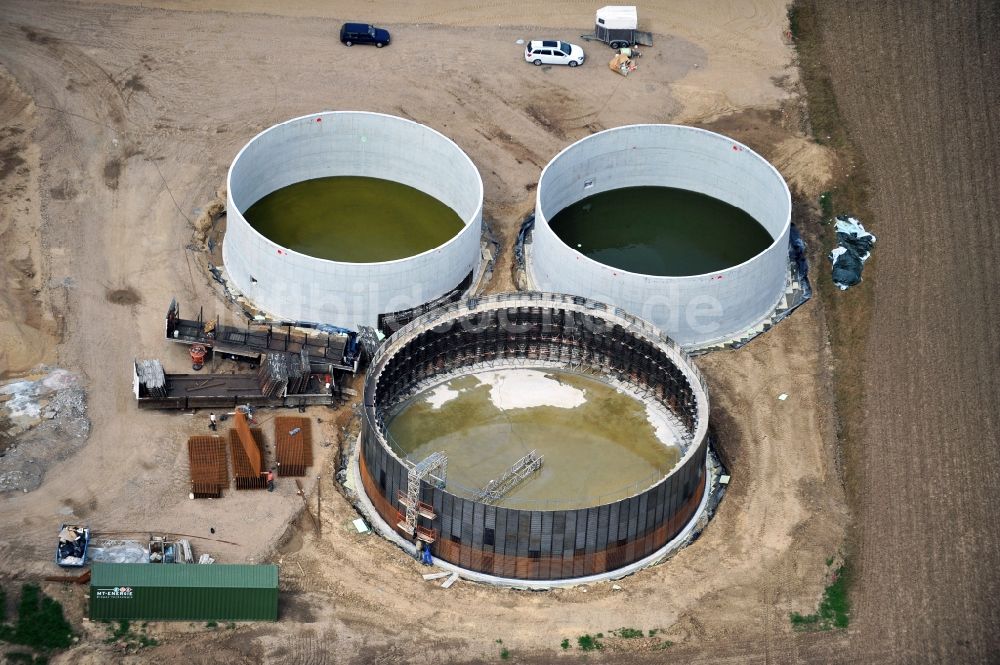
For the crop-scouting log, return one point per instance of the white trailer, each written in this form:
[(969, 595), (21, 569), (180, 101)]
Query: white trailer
[(616, 25)]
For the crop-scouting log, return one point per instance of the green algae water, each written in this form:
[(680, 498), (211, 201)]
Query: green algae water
[(354, 219), (596, 441), (660, 231)]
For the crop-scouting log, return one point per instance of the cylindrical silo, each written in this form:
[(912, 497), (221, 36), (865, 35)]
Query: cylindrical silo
[(295, 285), (693, 309), (578, 536)]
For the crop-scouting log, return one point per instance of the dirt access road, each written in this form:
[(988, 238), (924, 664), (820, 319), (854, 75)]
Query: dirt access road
[(919, 85)]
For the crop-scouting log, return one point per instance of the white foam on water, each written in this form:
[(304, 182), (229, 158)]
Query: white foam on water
[(523, 389), (440, 395), (665, 432)]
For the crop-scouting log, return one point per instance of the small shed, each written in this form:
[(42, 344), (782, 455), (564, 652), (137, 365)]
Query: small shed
[(176, 592)]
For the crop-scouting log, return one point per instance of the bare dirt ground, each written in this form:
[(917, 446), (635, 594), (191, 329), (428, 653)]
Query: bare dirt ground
[(920, 89), (130, 116)]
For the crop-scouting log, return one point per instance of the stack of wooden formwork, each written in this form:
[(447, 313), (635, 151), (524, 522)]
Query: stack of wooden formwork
[(209, 469), (293, 438)]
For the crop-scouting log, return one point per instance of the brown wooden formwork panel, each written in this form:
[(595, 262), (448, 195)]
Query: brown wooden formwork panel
[(243, 471), (209, 471), (293, 451)]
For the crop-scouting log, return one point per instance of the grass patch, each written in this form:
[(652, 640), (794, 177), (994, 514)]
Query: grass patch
[(793, 21), (122, 632), (665, 644), (628, 633), (847, 313), (826, 207), (123, 628), (834, 608), (504, 653), (590, 642), (564, 644), (212, 624), (40, 622), (24, 658)]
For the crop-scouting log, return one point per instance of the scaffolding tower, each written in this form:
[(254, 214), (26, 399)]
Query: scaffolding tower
[(411, 499)]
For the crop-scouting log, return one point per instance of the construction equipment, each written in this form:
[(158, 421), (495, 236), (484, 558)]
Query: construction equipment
[(198, 353), (435, 462)]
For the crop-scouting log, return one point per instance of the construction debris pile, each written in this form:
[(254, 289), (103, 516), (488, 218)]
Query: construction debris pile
[(854, 246), (72, 546), (43, 420)]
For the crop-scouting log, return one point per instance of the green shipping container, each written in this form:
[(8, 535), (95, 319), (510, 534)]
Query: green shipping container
[(183, 592)]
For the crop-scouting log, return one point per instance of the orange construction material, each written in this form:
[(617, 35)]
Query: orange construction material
[(243, 473), (198, 353), (249, 445), (294, 450), (209, 470)]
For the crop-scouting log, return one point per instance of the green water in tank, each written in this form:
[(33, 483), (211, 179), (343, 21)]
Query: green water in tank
[(598, 444), (354, 219), (660, 231)]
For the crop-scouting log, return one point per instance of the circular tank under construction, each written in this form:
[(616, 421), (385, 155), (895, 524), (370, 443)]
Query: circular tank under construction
[(562, 510), (684, 227), (352, 218)]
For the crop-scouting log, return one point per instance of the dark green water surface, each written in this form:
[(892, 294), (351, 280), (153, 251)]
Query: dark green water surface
[(354, 219), (660, 231)]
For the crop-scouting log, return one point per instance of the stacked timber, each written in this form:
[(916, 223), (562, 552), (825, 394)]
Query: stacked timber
[(152, 380), (293, 437)]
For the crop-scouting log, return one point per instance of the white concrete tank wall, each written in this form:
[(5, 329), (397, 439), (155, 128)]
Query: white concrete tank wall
[(693, 310), (298, 287)]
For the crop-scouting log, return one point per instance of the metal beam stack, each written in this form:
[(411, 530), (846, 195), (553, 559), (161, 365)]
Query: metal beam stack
[(272, 376), (151, 378)]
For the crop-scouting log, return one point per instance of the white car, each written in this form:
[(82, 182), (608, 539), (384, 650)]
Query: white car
[(551, 52)]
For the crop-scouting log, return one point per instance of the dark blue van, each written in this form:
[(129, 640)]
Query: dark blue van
[(363, 33)]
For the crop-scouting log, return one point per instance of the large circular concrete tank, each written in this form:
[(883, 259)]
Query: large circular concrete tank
[(695, 310), (299, 287), (535, 543)]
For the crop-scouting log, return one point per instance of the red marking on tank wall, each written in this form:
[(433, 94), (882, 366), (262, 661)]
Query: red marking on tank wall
[(319, 119)]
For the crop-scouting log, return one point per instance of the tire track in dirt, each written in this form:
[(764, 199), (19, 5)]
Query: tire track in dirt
[(919, 87)]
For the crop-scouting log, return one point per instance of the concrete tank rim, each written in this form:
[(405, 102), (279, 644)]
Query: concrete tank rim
[(466, 221), (786, 225), (649, 331)]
